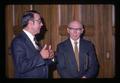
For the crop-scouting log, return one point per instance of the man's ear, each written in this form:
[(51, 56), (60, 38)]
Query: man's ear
[(82, 30), (68, 30)]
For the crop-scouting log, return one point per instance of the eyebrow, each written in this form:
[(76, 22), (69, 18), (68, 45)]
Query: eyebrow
[(75, 28)]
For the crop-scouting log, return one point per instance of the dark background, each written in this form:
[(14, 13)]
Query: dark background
[(117, 26)]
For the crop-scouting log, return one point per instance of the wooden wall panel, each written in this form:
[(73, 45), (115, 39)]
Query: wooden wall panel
[(13, 15), (76, 12), (103, 40), (65, 15), (108, 42), (18, 12), (55, 37), (50, 15), (9, 35), (45, 13), (98, 38), (87, 12)]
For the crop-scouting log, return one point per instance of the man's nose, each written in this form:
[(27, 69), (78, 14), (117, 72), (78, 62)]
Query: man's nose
[(41, 24), (75, 31)]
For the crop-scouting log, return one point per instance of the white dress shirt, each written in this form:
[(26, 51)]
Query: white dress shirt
[(72, 42), (31, 37)]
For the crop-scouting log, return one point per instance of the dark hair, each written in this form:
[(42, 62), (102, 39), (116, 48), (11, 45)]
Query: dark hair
[(29, 15)]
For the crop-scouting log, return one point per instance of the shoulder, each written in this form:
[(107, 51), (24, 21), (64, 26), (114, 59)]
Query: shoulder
[(63, 43), (86, 43), (18, 38)]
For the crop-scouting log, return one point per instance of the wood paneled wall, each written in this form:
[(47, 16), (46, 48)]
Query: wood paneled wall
[(9, 36), (97, 20), (103, 40), (13, 14)]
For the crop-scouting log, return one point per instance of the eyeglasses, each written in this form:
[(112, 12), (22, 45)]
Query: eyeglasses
[(77, 29), (39, 21)]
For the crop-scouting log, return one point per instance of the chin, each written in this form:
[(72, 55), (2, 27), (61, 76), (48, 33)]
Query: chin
[(76, 38), (38, 32)]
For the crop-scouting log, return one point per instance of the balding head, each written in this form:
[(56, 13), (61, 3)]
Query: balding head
[(75, 24)]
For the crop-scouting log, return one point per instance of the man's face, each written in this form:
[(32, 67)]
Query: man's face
[(37, 24), (75, 29)]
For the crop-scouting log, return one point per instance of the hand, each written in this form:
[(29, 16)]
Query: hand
[(51, 53), (44, 52), (83, 77)]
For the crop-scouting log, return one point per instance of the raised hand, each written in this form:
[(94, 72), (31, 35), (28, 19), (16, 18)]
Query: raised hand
[(47, 53), (44, 52), (51, 53)]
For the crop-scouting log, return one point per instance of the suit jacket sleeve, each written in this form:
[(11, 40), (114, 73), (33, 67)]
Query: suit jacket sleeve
[(24, 59), (61, 65), (93, 65)]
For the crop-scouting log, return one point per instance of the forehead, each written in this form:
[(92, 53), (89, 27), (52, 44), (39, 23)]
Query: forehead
[(75, 24), (36, 16)]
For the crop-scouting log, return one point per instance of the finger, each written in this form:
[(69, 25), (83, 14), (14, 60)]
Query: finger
[(51, 54), (49, 47), (45, 46)]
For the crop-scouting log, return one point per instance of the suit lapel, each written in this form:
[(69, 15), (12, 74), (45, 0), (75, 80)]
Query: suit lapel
[(70, 56), (83, 56), (28, 41)]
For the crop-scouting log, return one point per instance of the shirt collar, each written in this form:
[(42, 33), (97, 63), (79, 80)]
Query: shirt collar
[(29, 35), (78, 40), (72, 42)]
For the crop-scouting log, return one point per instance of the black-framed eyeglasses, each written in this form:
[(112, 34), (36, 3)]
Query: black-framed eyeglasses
[(39, 21), (77, 29)]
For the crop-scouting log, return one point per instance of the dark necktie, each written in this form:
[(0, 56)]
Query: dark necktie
[(36, 42), (76, 54)]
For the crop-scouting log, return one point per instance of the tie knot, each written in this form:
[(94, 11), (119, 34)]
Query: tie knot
[(75, 42), (35, 40)]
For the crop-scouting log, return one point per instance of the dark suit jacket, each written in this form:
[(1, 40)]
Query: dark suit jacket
[(27, 60), (66, 64)]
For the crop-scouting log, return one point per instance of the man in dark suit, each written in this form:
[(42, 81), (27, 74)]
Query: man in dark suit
[(30, 61), (76, 60)]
